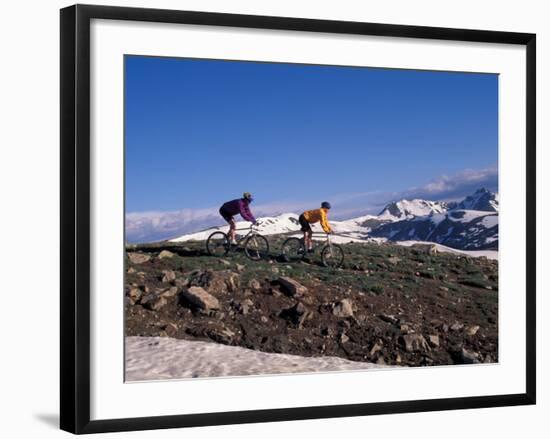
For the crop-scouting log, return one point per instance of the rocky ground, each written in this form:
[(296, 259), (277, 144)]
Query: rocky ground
[(388, 304)]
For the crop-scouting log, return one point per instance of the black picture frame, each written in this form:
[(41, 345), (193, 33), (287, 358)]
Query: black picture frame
[(75, 217)]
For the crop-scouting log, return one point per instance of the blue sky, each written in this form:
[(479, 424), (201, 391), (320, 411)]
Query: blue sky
[(200, 132)]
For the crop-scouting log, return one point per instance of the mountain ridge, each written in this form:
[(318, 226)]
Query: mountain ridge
[(471, 224)]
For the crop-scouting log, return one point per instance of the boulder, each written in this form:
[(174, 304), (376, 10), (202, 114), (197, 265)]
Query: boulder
[(224, 281), (153, 302), (457, 326), (168, 276), (296, 314), (429, 249), (138, 258), (134, 294), (343, 309), (170, 292), (245, 306), (415, 343), (389, 319), (469, 357), (165, 254), (200, 298), (472, 330), (376, 347), (344, 338), (223, 335), (433, 340), (292, 287), (254, 285), (394, 260)]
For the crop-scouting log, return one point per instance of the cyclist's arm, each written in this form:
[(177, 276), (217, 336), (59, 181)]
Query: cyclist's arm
[(324, 222), (245, 212)]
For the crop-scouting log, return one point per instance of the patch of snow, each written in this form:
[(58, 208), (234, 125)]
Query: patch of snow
[(490, 221), (286, 222), (466, 216), (163, 358), (406, 209), (438, 218), (489, 254)]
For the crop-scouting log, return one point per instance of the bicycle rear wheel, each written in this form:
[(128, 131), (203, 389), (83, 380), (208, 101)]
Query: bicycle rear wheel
[(256, 247), (293, 249), (332, 256), (217, 244)]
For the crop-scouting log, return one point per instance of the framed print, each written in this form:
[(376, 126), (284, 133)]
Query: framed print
[(304, 218)]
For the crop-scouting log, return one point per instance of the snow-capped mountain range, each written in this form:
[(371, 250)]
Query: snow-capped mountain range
[(471, 224)]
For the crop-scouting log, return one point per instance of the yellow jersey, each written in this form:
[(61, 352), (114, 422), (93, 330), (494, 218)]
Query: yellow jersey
[(316, 215)]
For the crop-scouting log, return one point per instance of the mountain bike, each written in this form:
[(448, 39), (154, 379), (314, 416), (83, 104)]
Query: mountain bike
[(255, 245), (332, 255)]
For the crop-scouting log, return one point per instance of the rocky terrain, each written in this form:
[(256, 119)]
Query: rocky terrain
[(388, 304)]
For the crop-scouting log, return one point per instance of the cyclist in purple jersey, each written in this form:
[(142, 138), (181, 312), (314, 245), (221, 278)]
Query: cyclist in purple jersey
[(239, 206)]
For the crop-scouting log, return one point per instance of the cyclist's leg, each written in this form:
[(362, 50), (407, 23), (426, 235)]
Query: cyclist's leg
[(309, 245), (306, 228), (232, 226), (232, 231)]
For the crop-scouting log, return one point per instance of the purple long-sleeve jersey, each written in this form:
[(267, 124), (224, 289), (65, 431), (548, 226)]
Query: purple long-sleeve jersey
[(239, 206)]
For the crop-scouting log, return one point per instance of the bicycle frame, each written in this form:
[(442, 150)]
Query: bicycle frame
[(317, 245), (252, 230), (328, 241)]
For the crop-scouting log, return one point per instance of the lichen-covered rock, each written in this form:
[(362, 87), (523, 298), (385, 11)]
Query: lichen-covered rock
[(164, 254), (292, 287), (200, 298), (216, 282), (168, 276), (415, 343), (343, 309), (138, 258), (254, 284), (153, 302)]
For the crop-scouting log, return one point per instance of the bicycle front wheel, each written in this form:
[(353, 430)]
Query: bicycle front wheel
[(293, 249), (332, 256), (256, 247), (217, 244)]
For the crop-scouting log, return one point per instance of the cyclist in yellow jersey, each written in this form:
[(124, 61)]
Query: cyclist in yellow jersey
[(313, 216)]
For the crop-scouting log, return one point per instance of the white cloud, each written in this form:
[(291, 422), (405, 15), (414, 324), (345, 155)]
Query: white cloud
[(442, 188), (153, 226), (458, 185)]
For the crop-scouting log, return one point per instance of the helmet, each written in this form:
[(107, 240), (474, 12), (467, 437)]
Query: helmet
[(248, 196), (325, 205)]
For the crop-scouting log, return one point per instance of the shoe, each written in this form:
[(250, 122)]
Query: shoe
[(310, 250)]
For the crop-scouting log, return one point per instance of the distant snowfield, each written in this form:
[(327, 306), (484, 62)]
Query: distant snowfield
[(489, 254), (346, 232), (163, 358), (287, 223)]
